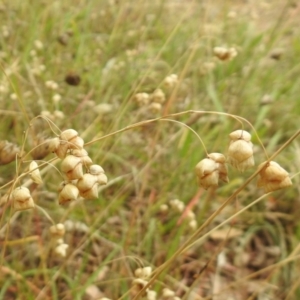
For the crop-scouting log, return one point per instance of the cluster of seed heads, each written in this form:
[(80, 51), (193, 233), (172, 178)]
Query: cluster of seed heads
[(69, 146), (57, 233), (154, 101), (212, 169)]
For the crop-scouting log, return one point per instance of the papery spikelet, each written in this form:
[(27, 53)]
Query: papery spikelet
[(83, 155), (22, 198), (222, 168), (72, 167), (88, 186), (35, 173), (43, 147), (207, 173), (91, 193), (68, 192), (71, 137), (273, 177), (143, 273), (102, 179), (224, 53), (61, 248), (57, 230), (8, 152), (158, 96), (96, 170), (240, 151)]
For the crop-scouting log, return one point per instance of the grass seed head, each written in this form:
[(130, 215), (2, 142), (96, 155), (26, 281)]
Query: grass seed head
[(240, 151), (67, 192), (273, 177), (57, 231), (61, 249), (158, 96), (207, 171), (35, 173), (71, 166), (22, 199), (8, 152)]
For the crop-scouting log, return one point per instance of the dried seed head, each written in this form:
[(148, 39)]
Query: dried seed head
[(35, 173), (155, 107), (207, 171), (143, 273), (240, 151), (142, 99), (70, 138), (222, 168), (86, 182), (167, 293), (45, 147), (158, 96), (8, 152), (72, 167), (177, 205), (102, 179), (99, 172), (240, 135), (96, 170), (151, 295), (61, 249), (273, 177), (88, 186), (83, 155), (225, 53), (22, 198), (170, 81), (68, 192), (57, 231), (138, 284)]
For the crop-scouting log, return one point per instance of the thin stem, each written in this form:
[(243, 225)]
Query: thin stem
[(45, 213), (192, 130), (50, 123), (193, 237)]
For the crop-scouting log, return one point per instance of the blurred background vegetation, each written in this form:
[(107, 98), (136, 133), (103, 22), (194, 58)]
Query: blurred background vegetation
[(81, 64)]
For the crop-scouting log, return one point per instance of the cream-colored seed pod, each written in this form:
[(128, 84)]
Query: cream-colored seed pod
[(240, 135), (68, 192), (155, 107), (273, 177), (61, 249), (61, 150), (222, 168), (22, 199), (158, 96), (72, 167), (240, 151), (86, 182), (143, 273), (88, 186), (68, 135), (102, 179), (8, 152), (91, 193), (71, 137), (207, 173), (83, 155), (96, 170), (35, 173), (138, 284), (57, 230)]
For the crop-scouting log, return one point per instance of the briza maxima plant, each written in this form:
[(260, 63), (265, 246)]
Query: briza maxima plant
[(81, 179)]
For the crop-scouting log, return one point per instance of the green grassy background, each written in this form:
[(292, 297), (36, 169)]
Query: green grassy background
[(120, 48)]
